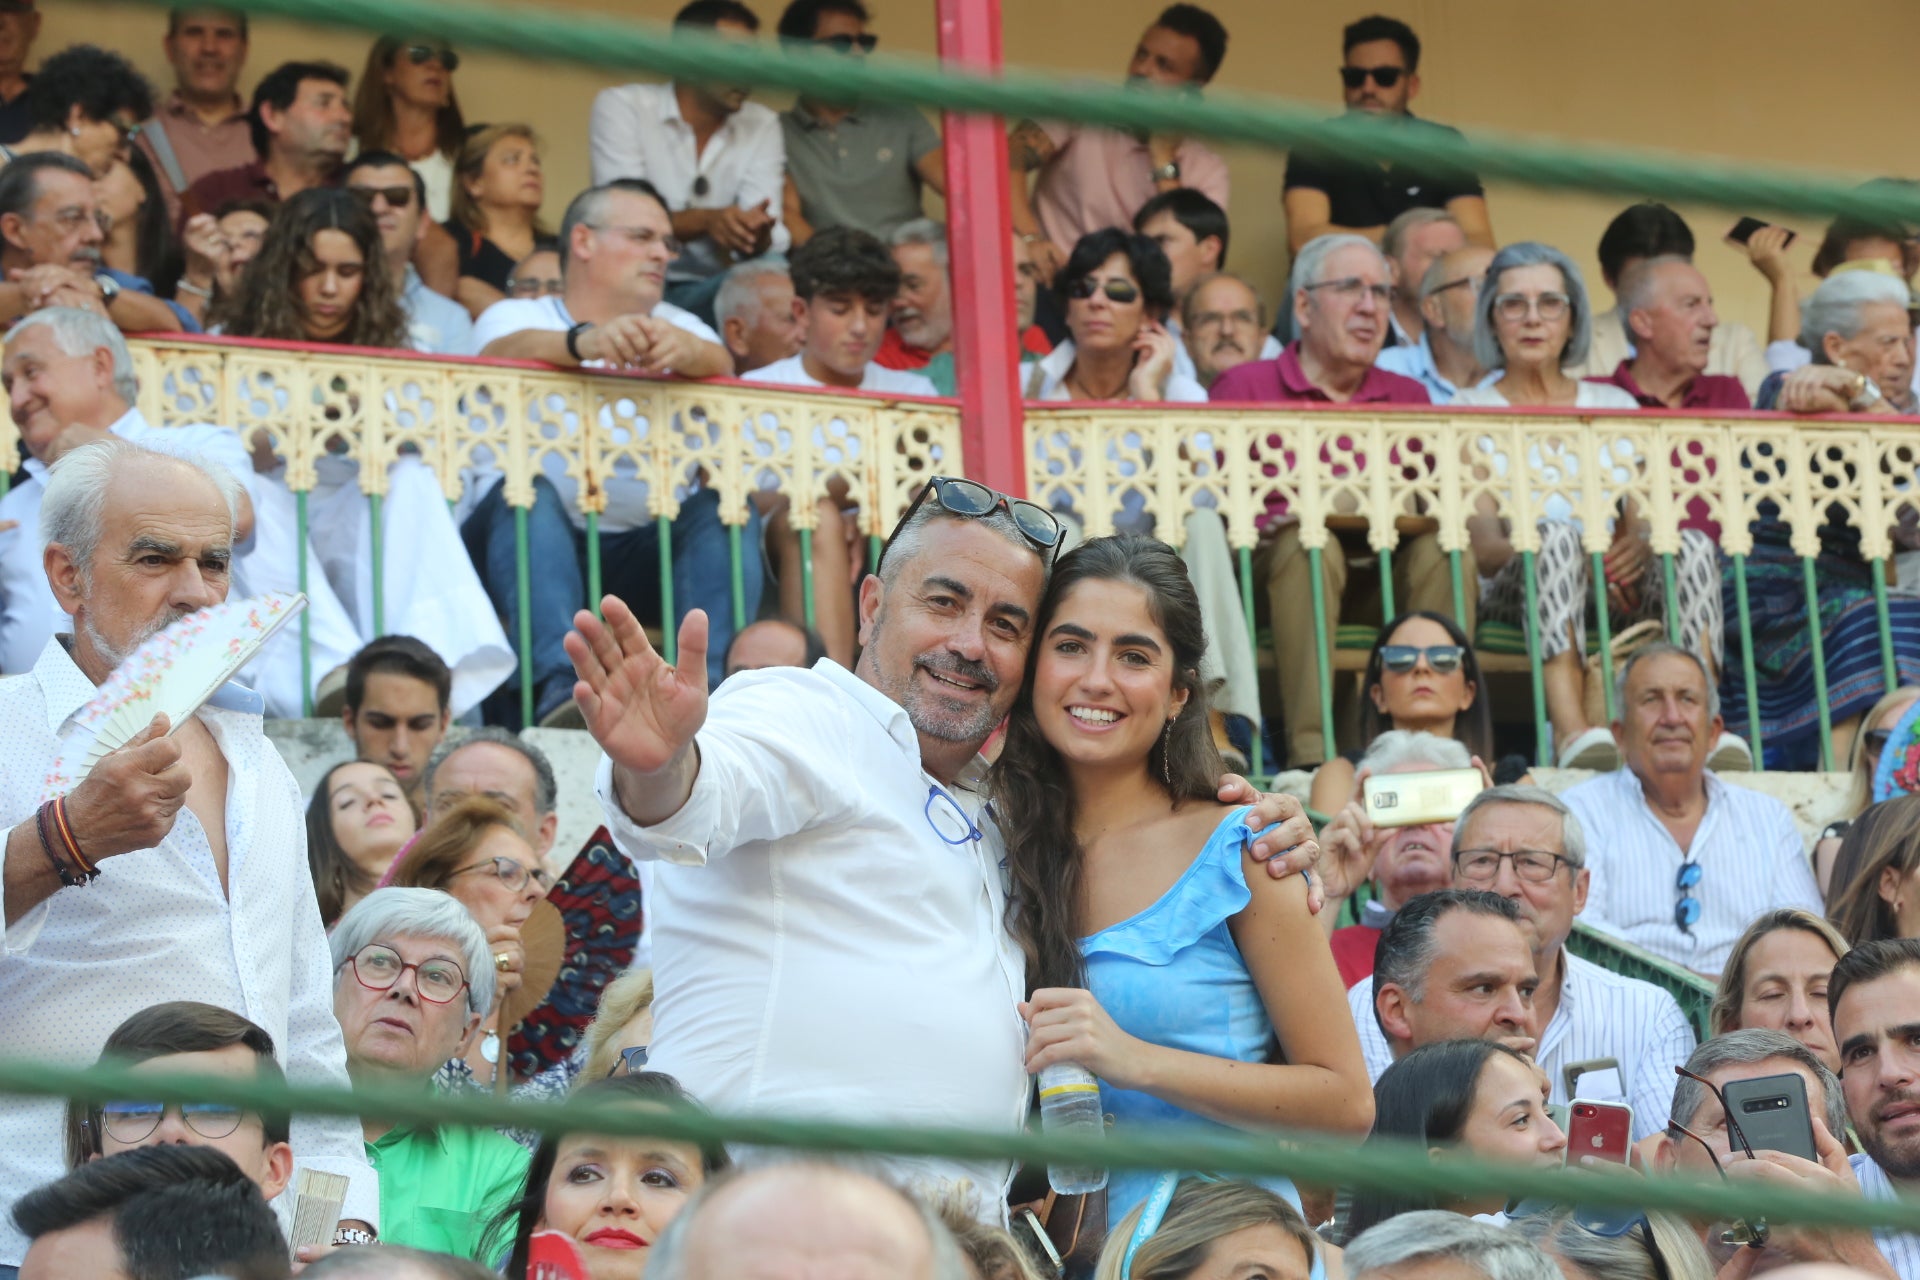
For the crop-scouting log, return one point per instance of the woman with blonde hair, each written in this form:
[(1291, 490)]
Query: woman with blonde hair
[(1877, 895), (1619, 1244), (495, 210), (1215, 1229), (1863, 759), (406, 105), (1776, 979)]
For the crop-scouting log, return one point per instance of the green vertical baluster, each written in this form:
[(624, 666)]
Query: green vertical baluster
[(1253, 644), (1459, 589), (594, 590), (1746, 661), (523, 592), (379, 565), (669, 633), (1673, 598), (806, 571), (875, 547), (1889, 667), (1387, 613), (1323, 660), (306, 618), (1812, 582), (1542, 727), (1599, 575), (739, 582), (6, 483)]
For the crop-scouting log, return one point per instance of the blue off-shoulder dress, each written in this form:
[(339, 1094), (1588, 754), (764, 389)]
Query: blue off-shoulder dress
[(1172, 976)]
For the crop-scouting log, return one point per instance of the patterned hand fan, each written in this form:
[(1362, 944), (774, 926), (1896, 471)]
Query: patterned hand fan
[(174, 673), (1898, 772)]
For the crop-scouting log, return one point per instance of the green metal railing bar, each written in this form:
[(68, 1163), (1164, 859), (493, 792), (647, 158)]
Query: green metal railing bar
[(876, 545), (376, 547), (1890, 669), (1387, 612), (626, 45), (1318, 1159), (737, 571), (669, 633), (1245, 556), (806, 574), (1542, 724), (1693, 993), (306, 620), (1604, 619), (1747, 671), (523, 595), (1811, 580), (1459, 586), (594, 571), (1322, 659), (1672, 599)]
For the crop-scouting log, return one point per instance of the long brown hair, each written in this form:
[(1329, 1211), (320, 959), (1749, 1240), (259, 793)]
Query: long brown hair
[(335, 875), (373, 119), (450, 840), (1032, 799), (266, 302), (1886, 835)]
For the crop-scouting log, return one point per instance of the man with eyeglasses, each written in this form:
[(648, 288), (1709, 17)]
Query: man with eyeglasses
[(1701, 1140), (1192, 231), (397, 196), (1327, 193), (1412, 242), (1667, 307), (412, 982), (864, 165), (718, 160), (201, 127), (1682, 862), (1443, 360), (1223, 324), (830, 902)]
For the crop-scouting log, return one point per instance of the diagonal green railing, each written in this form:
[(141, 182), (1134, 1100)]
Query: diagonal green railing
[(1317, 1159)]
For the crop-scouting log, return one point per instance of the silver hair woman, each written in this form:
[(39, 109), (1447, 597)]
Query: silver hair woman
[(417, 913)]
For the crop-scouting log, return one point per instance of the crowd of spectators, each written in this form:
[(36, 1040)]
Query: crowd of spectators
[(797, 898)]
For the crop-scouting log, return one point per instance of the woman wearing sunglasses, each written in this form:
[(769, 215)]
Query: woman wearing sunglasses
[(1153, 959), (406, 105), (1421, 676), (1863, 759), (1117, 288), (1613, 1244)]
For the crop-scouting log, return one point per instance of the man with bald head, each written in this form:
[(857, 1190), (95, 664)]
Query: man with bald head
[(1223, 324), (773, 642), (802, 1220), (217, 904), (1669, 316), (1443, 360)]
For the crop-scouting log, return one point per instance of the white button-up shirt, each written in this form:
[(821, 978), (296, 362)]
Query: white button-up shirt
[(156, 926), (792, 372), (1601, 1015), (637, 131), (819, 947), (1751, 857), (1901, 1249)]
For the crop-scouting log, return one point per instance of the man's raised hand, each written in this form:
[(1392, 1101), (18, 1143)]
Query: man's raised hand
[(131, 797), (641, 709)]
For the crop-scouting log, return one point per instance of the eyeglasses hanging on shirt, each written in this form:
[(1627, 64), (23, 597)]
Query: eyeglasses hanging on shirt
[(1686, 912), (948, 820)]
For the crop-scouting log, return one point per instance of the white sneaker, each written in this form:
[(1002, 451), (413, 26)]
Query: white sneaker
[(1731, 755), (1595, 749)]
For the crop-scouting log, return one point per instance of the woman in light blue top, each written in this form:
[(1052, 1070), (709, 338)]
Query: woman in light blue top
[(1155, 959)]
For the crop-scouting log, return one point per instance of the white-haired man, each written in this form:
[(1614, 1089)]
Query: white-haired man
[(755, 313), (923, 309), (176, 868), (1433, 1244)]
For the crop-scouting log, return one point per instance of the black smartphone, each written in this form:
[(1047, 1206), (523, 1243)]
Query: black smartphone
[(1772, 1112), (1743, 231)]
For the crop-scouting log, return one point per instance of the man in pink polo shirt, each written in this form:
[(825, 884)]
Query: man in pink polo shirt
[(1092, 178), (1341, 294), (1670, 320)]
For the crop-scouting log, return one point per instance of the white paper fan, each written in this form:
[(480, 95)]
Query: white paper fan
[(174, 672)]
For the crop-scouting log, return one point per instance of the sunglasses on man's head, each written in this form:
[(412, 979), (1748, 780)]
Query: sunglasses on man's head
[(865, 42), (1120, 291), (421, 54), (1385, 77), (971, 500), (396, 197), (1402, 658)]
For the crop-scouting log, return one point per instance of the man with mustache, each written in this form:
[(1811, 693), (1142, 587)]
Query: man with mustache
[(1192, 231), (177, 867), (1668, 309), (1681, 862), (1223, 324), (201, 127), (922, 326), (1329, 194), (1874, 997)]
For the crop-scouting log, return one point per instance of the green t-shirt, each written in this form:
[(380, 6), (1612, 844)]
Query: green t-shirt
[(440, 1187)]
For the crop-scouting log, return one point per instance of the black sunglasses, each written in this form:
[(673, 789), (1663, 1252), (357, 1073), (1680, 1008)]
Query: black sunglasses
[(1120, 291), (421, 54), (864, 42), (396, 197), (1445, 659), (970, 499), (1354, 77)]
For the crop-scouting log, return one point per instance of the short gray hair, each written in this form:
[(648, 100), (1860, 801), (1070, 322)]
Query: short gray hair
[(81, 333), (911, 540), (924, 231), (1743, 1048), (1573, 840), (739, 293), (1663, 649), (1531, 253), (1662, 1245), (546, 788), (1311, 261), (1836, 306), (668, 1258), (73, 509), (1397, 747), (1635, 290), (418, 913), (1393, 239), (1435, 1233)]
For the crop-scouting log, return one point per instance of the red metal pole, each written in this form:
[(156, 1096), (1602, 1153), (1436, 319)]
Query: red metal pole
[(980, 250)]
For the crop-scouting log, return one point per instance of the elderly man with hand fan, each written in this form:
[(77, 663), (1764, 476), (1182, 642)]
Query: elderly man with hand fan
[(176, 868)]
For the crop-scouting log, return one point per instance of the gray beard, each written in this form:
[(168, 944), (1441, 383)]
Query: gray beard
[(116, 655)]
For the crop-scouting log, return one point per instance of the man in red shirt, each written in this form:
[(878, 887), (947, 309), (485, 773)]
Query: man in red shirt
[(1341, 294), (1668, 306)]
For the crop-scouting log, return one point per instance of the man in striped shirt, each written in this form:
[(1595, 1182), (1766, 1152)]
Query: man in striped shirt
[(1874, 997), (1682, 863), (1524, 845)]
